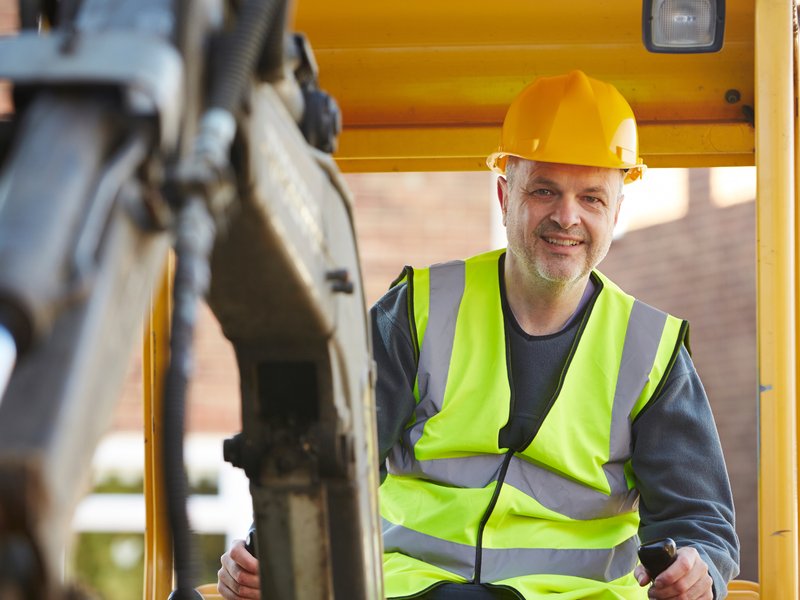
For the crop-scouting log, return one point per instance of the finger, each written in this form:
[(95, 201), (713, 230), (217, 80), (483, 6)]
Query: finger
[(238, 577), (640, 573), (232, 590), (241, 566), (243, 558), (701, 590), (224, 591), (686, 578), (686, 562)]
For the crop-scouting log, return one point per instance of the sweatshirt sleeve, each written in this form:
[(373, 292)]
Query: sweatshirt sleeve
[(393, 351), (681, 476)]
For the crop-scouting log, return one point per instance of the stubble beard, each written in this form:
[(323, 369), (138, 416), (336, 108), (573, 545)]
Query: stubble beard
[(558, 273), (555, 270)]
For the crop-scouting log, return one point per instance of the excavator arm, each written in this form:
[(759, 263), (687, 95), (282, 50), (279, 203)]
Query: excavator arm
[(141, 124)]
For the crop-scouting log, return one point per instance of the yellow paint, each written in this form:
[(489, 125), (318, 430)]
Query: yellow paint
[(442, 148), (157, 537), (209, 592), (743, 590), (776, 242)]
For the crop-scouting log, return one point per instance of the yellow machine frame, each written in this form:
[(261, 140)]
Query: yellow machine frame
[(423, 86)]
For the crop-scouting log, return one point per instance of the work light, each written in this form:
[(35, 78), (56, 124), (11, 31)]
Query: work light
[(683, 26)]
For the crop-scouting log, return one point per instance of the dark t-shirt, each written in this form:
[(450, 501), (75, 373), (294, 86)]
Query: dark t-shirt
[(537, 362)]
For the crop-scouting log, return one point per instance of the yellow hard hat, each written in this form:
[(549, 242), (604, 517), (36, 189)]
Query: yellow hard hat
[(571, 119)]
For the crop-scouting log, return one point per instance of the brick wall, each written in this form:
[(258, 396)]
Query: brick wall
[(418, 219), (8, 17), (8, 23)]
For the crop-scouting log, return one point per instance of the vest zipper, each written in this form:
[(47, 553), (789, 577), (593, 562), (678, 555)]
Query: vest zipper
[(511, 451), (489, 509)]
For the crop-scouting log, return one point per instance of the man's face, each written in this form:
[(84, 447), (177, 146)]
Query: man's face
[(559, 218)]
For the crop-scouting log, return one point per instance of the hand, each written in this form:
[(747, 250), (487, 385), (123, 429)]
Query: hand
[(238, 576), (686, 579)]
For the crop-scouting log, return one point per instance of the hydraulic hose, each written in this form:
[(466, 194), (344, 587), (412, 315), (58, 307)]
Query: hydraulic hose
[(241, 53), (195, 231), (195, 237), (271, 63)]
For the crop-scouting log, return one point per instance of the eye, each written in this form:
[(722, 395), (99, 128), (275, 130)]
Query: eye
[(542, 192), (594, 200)]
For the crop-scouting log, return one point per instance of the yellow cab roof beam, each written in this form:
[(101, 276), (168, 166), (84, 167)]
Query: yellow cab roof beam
[(424, 85)]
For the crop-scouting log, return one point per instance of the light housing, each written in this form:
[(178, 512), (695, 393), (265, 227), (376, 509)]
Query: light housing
[(683, 26)]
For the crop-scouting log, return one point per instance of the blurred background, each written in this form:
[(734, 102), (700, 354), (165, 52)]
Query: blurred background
[(685, 243)]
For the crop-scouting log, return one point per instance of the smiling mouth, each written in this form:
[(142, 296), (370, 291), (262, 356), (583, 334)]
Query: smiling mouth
[(557, 242)]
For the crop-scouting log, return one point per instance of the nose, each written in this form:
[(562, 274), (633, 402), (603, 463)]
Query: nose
[(566, 212)]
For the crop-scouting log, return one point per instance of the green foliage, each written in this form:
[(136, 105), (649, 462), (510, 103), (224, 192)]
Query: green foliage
[(112, 564)]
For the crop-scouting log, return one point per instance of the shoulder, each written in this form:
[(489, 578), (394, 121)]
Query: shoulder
[(392, 302), (682, 395), (684, 365), (390, 317)]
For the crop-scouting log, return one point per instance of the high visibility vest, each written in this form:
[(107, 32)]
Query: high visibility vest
[(558, 515)]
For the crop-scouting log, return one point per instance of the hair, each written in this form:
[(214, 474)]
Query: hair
[(511, 165)]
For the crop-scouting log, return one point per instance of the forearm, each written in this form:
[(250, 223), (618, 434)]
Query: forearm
[(396, 365), (681, 476)]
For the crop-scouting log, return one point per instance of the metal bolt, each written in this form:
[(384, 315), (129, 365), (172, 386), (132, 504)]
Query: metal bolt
[(732, 96), (340, 279)]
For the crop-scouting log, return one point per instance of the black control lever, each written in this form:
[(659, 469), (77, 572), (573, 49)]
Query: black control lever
[(657, 556)]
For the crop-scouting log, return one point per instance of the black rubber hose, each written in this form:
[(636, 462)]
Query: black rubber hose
[(241, 53), (270, 66), (194, 240)]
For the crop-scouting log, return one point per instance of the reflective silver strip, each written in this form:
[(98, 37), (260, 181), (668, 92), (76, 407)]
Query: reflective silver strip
[(550, 489), (446, 291), (642, 338), (456, 558), (566, 496), (553, 491), (474, 472), (498, 565), (597, 564)]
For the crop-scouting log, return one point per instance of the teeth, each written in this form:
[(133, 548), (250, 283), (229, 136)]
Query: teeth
[(562, 242)]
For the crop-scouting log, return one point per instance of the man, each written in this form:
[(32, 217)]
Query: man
[(537, 421)]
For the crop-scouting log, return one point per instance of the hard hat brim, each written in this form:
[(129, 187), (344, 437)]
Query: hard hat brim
[(496, 162)]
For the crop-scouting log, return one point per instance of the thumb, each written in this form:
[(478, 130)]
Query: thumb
[(641, 575)]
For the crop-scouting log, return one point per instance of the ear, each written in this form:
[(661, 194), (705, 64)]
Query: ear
[(502, 196)]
